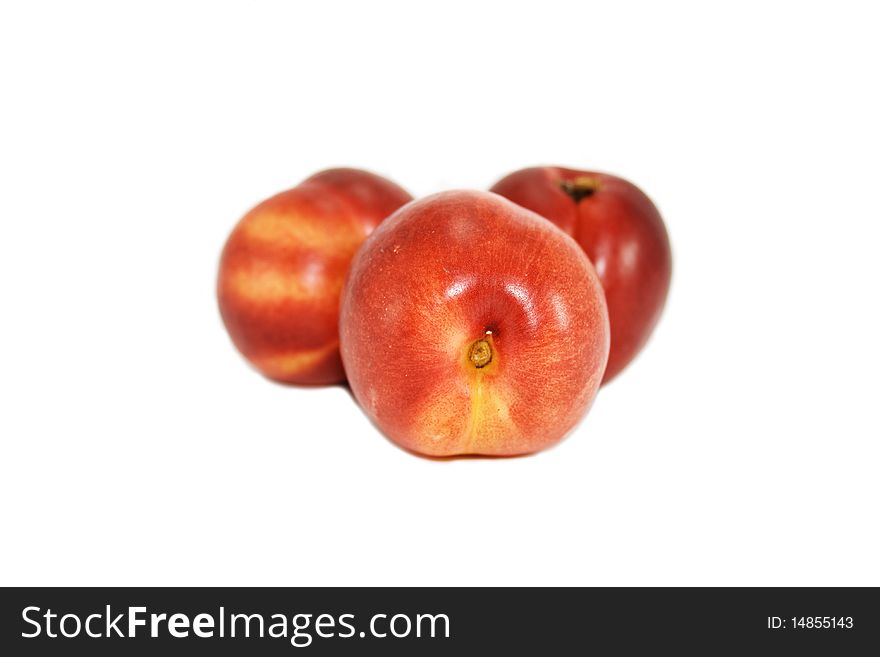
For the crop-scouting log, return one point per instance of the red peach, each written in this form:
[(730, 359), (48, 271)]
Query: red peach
[(621, 231), (470, 325), (282, 270)]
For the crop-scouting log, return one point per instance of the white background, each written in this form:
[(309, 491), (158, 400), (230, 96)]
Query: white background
[(137, 446)]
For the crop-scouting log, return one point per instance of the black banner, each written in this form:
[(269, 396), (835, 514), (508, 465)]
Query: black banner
[(437, 621)]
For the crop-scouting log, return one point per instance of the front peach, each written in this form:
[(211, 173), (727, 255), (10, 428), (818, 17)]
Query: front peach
[(470, 325)]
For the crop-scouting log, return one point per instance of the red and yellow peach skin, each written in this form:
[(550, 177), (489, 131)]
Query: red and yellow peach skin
[(283, 266)]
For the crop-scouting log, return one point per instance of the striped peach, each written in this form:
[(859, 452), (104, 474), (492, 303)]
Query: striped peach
[(282, 270)]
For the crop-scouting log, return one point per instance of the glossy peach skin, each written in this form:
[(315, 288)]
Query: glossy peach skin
[(470, 325), (283, 266), (620, 230)]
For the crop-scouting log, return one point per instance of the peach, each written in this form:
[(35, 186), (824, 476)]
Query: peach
[(283, 266), (621, 231), (470, 325)]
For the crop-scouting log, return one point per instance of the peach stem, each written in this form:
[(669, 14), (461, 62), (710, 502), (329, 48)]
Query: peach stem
[(481, 353), (579, 188)]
